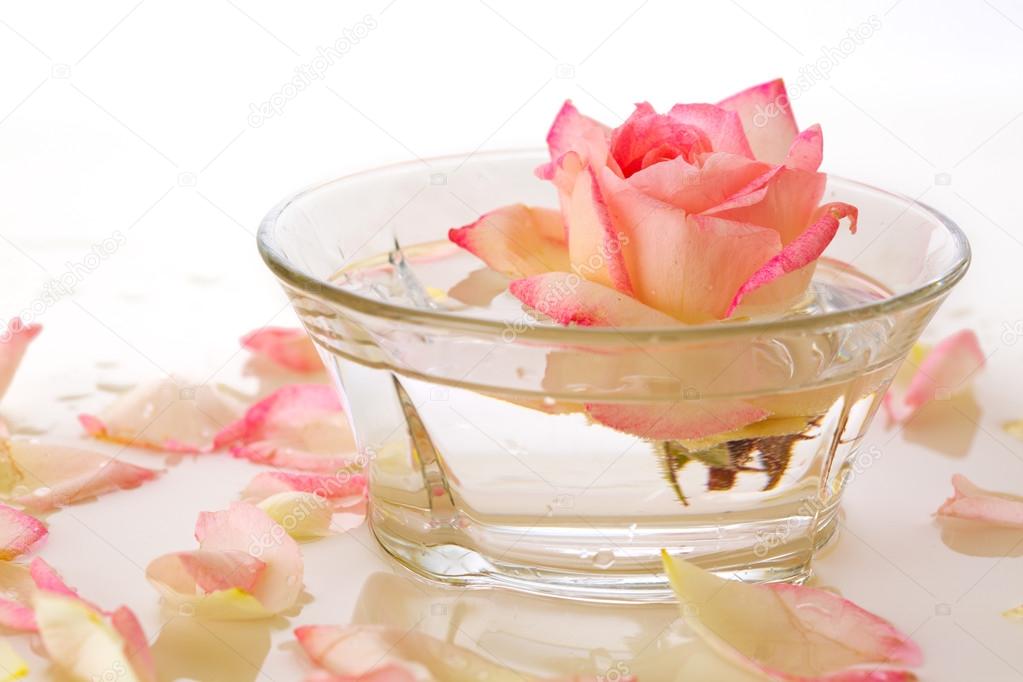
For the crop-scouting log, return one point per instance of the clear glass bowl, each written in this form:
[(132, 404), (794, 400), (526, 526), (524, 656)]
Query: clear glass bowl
[(490, 463)]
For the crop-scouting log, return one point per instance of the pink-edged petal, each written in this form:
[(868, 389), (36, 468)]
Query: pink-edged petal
[(42, 476), (82, 643), (698, 187), (339, 487), (167, 415), (214, 570), (289, 348), (800, 252), (594, 243), (516, 240), (648, 137), (767, 119), (572, 132), (136, 643), (784, 199), (976, 504), (299, 427), (13, 342), (683, 420), (303, 515), (18, 589), (789, 632), (722, 127), (12, 665), (807, 150), (569, 299), (946, 370), (47, 579), (18, 532)]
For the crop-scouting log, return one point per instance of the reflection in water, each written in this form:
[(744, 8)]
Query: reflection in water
[(545, 637), (212, 651)]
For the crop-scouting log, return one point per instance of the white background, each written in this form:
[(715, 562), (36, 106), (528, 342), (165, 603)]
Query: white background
[(135, 119)]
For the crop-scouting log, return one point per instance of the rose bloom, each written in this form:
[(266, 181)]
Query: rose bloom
[(684, 217)]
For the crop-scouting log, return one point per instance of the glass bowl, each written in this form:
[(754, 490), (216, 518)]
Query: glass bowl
[(508, 451)]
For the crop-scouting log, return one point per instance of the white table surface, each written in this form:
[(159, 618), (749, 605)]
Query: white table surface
[(133, 118)]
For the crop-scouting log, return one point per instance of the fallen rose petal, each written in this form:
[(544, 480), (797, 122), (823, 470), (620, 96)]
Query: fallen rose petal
[(42, 476), (807, 150), (164, 415), (80, 641), (789, 632), (12, 666), (18, 532), (944, 371), (13, 342), (800, 252), (228, 587), (136, 644), (18, 589), (298, 427), (46, 578), (1014, 428), (975, 504), (303, 515), (516, 240), (1014, 613), (291, 349), (767, 119), (339, 488)]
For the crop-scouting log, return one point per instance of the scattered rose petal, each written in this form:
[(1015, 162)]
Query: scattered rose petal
[(789, 632), (945, 371), (47, 579), (298, 427), (291, 349), (18, 532), (228, 586), (42, 476), (83, 644), (1015, 613), (167, 415), (339, 488), (12, 666), (516, 240), (767, 119), (1014, 428), (13, 342), (303, 515), (376, 653), (973, 503), (17, 588)]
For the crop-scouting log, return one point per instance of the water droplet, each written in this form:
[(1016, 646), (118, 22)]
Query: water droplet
[(549, 401), (605, 558)]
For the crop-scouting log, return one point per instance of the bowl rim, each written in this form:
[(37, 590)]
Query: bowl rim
[(324, 290)]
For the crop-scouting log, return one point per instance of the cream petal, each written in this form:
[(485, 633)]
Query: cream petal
[(12, 665), (946, 369), (18, 532), (168, 414), (574, 133), (291, 349), (338, 488), (594, 241), (13, 342), (303, 515), (516, 240), (976, 504), (807, 150), (767, 119), (789, 632)]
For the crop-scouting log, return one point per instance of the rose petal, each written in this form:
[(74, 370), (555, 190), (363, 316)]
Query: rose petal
[(13, 342), (800, 252), (945, 371), (376, 653), (18, 589), (573, 132), (303, 515), (12, 665), (766, 118), (291, 349), (516, 240), (42, 476), (338, 488), (214, 593), (18, 532), (165, 415), (807, 150), (568, 299), (47, 579), (81, 642), (214, 570), (648, 137), (136, 644), (788, 632), (722, 127), (300, 427), (975, 504), (696, 187), (687, 267), (785, 200), (594, 244), (683, 420)]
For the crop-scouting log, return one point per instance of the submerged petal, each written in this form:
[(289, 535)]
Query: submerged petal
[(165, 415), (683, 420), (18, 532), (13, 342), (946, 370), (300, 426), (789, 632), (291, 349), (569, 299), (975, 504), (41, 476), (767, 119), (516, 240), (800, 252)]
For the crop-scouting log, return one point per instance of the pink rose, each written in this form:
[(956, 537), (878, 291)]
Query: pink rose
[(691, 213)]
